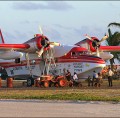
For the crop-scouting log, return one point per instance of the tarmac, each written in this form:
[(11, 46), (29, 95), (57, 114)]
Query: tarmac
[(56, 108)]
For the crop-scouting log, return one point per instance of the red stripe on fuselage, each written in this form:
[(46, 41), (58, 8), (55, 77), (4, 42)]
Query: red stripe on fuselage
[(85, 58)]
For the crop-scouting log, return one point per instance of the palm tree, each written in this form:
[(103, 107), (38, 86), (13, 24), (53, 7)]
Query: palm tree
[(114, 24), (113, 40)]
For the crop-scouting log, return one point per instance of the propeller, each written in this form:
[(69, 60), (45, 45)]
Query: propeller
[(97, 43), (48, 56), (45, 43)]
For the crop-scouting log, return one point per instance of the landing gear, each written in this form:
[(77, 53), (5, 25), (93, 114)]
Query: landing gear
[(30, 81)]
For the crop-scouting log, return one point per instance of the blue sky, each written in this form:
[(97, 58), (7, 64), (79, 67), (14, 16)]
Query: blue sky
[(62, 21)]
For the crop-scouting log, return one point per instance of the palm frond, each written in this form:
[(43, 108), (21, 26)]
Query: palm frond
[(116, 39), (114, 24), (109, 32), (113, 40)]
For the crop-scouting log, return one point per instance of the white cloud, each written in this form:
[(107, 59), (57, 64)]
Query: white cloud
[(51, 5)]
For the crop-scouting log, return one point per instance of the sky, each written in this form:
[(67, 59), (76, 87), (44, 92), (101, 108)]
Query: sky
[(65, 22)]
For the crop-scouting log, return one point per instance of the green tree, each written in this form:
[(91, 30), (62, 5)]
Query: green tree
[(114, 24), (113, 40)]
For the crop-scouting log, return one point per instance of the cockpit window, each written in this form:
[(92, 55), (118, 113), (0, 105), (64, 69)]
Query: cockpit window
[(83, 53), (73, 54)]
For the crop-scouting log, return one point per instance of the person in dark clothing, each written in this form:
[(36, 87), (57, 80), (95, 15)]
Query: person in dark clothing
[(95, 76), (99, 79), (89, 81), (68, 75)]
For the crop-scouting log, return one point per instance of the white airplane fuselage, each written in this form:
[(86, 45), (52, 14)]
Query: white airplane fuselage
[(73, 58), (82, 64)]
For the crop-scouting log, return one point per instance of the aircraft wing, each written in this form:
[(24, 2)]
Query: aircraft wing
[(17, 47), (110, 48)]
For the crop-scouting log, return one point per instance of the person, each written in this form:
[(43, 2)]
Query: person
[(110, 74), (68, 75), (76, 80), (64, 72), (37, 82), (95, 76), (89, 80), (99, 80), (75, 77)]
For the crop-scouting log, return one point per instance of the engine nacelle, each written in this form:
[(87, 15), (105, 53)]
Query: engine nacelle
[(37, 43), (7, 55), (93, 44)]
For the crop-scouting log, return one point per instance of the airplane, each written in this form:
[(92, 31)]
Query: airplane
[(38, 56), (93, 45)]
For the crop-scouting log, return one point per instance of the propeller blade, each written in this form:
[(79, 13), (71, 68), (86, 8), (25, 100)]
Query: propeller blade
[(40, 52), (87, 36), (104, 38), (97, 52), (40, 30), (55, 43)]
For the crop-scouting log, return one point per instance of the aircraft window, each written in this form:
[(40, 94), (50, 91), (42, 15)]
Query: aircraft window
[(87, 53), (80, 53), (83, 53), (12, 72), (17, 60), (33, 61), (73, 54)]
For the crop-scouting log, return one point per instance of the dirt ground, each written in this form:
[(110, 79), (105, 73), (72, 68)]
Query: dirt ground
[(22, 84)]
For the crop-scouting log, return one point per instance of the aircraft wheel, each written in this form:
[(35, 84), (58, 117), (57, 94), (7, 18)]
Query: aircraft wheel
[(30, 81)]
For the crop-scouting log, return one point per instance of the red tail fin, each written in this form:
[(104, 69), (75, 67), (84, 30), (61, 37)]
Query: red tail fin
[(1, 37)]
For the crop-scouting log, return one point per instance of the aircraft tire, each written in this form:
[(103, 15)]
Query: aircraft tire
[(30, 81)]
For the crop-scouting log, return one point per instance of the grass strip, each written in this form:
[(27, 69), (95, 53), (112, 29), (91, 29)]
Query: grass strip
[(63, 94)]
